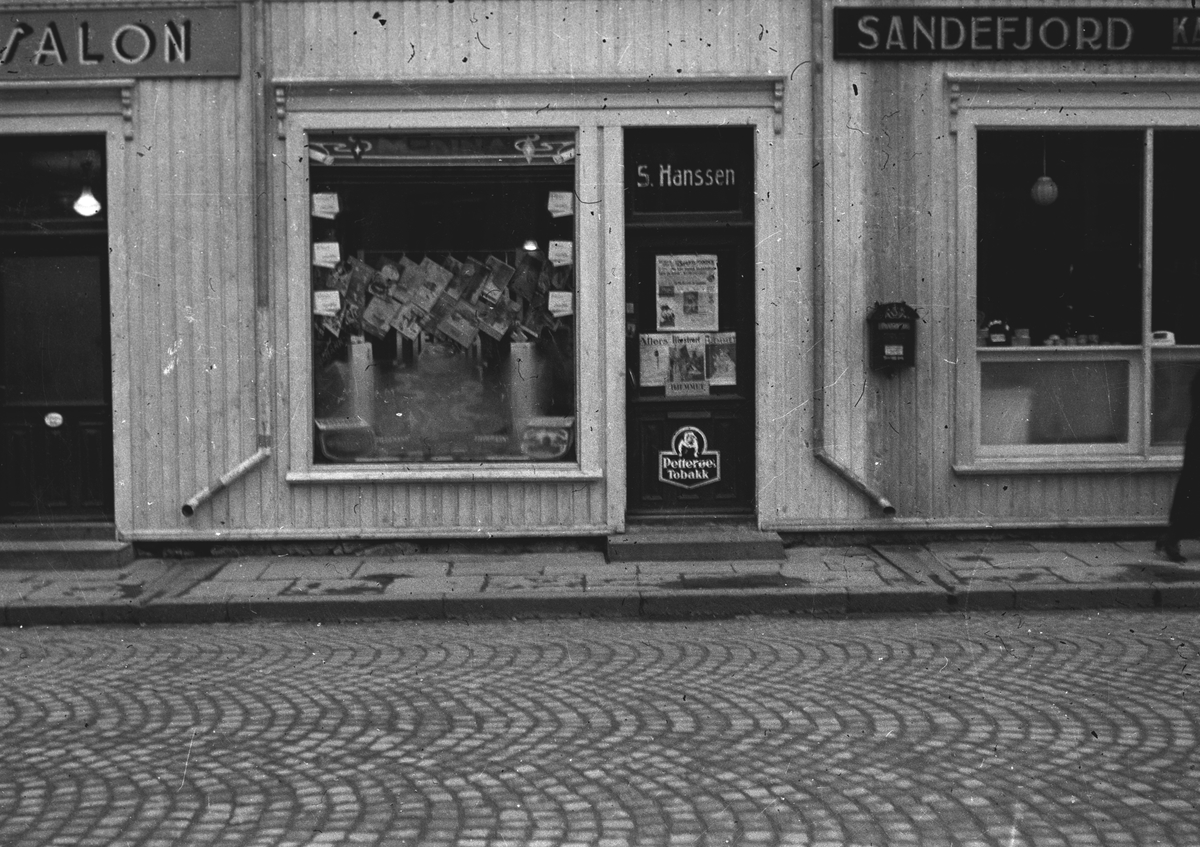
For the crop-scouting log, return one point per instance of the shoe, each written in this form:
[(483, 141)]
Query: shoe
[(1169, 547)]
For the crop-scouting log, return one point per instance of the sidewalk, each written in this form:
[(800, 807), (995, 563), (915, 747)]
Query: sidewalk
[(883, 578)]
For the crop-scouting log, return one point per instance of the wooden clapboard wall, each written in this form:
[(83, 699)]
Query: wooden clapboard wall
[(886, 214), (889, 219), (192, 397), (190, 295)]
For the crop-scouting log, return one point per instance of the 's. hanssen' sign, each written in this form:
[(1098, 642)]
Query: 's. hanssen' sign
[(120, 42), (871, 32)]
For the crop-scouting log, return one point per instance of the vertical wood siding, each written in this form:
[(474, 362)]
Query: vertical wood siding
[(890, 224), (522, 38), (513, 39), (191, 293), (888, 219)]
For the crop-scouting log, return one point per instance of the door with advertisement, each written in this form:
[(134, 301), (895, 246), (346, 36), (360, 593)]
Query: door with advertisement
[(689, 304), (55, 374)]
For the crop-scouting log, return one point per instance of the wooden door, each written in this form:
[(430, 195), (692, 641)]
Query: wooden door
[(55, 378)]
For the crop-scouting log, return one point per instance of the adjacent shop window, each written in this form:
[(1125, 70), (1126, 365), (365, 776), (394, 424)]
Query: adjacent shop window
[(443, 296), (1087, 282)]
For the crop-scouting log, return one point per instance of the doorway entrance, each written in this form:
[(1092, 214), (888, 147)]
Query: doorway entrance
[(689, 302), (55, 378)]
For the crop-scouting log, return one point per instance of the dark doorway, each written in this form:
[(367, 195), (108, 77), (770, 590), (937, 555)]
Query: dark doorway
[(55, 377), (690, 321)]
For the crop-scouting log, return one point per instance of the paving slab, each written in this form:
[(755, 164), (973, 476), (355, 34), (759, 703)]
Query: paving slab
[(84, 592), (311, 567), (403, 568), (12, 590), (335, 587), (1102, 553), (613, 583), (242, 569), (1088, 574), (238, 588), (758, 566), (435, 586), (483, 566), (592, 564), (532, 582)]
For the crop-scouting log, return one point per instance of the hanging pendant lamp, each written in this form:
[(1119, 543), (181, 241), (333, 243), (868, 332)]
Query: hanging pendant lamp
[(87, 205), (1044, 191)]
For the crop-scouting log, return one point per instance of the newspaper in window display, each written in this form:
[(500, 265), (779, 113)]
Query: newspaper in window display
[(687, 362), (655, 353), (720, 358), (687, 293)]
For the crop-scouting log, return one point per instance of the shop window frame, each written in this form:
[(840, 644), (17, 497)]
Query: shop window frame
[(304, 467), (1049, 103)]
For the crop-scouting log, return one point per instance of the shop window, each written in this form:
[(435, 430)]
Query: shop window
[(443, 296), (1086, 284)]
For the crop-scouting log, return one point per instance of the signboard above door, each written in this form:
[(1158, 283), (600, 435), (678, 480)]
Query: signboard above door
[(1015, 32), (120, 42), (689, 171)]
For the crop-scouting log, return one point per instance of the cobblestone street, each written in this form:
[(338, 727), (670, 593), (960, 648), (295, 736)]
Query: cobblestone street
[(996, 729)]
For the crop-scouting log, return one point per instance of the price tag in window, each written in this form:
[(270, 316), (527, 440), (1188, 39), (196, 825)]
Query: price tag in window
[(325, 205), (327, 254), (561, 204), (560, 253), (560, 303), (326, 303)]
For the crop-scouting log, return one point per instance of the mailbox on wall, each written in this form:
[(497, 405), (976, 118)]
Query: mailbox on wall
[(892, 332)]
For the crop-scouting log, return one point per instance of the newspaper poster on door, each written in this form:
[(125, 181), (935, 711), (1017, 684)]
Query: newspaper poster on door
[(687, 293), (677, 359)]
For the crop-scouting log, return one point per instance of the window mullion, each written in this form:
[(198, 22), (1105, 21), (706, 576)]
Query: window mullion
[(1147, 286)]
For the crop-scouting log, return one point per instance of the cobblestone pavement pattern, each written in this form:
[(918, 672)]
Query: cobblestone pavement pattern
[(1042, 729)]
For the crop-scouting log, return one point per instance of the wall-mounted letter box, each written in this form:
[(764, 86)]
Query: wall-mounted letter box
[(892, 335)]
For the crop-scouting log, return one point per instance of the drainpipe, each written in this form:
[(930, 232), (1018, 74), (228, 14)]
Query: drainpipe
[(223, 482), (264, 353), (818, 282)]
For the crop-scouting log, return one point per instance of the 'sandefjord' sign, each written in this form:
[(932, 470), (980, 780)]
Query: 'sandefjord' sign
[(875, 32), (120, 42)]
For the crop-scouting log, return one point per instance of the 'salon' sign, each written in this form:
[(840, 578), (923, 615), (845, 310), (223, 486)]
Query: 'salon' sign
[(120, 42), (863, 32)]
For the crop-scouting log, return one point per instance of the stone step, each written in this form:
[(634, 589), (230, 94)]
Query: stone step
[(70, 554), (706, 543), (61, 531)]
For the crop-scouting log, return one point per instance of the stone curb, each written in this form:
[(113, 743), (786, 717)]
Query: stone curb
[(616, 603)]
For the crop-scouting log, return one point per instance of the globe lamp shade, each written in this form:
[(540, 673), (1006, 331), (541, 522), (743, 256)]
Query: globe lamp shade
[(1044, 191)]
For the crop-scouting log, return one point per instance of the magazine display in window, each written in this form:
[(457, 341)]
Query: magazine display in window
[(472, 353)]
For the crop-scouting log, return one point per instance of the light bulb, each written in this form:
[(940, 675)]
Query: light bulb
[(530, 245), (87, 205)]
